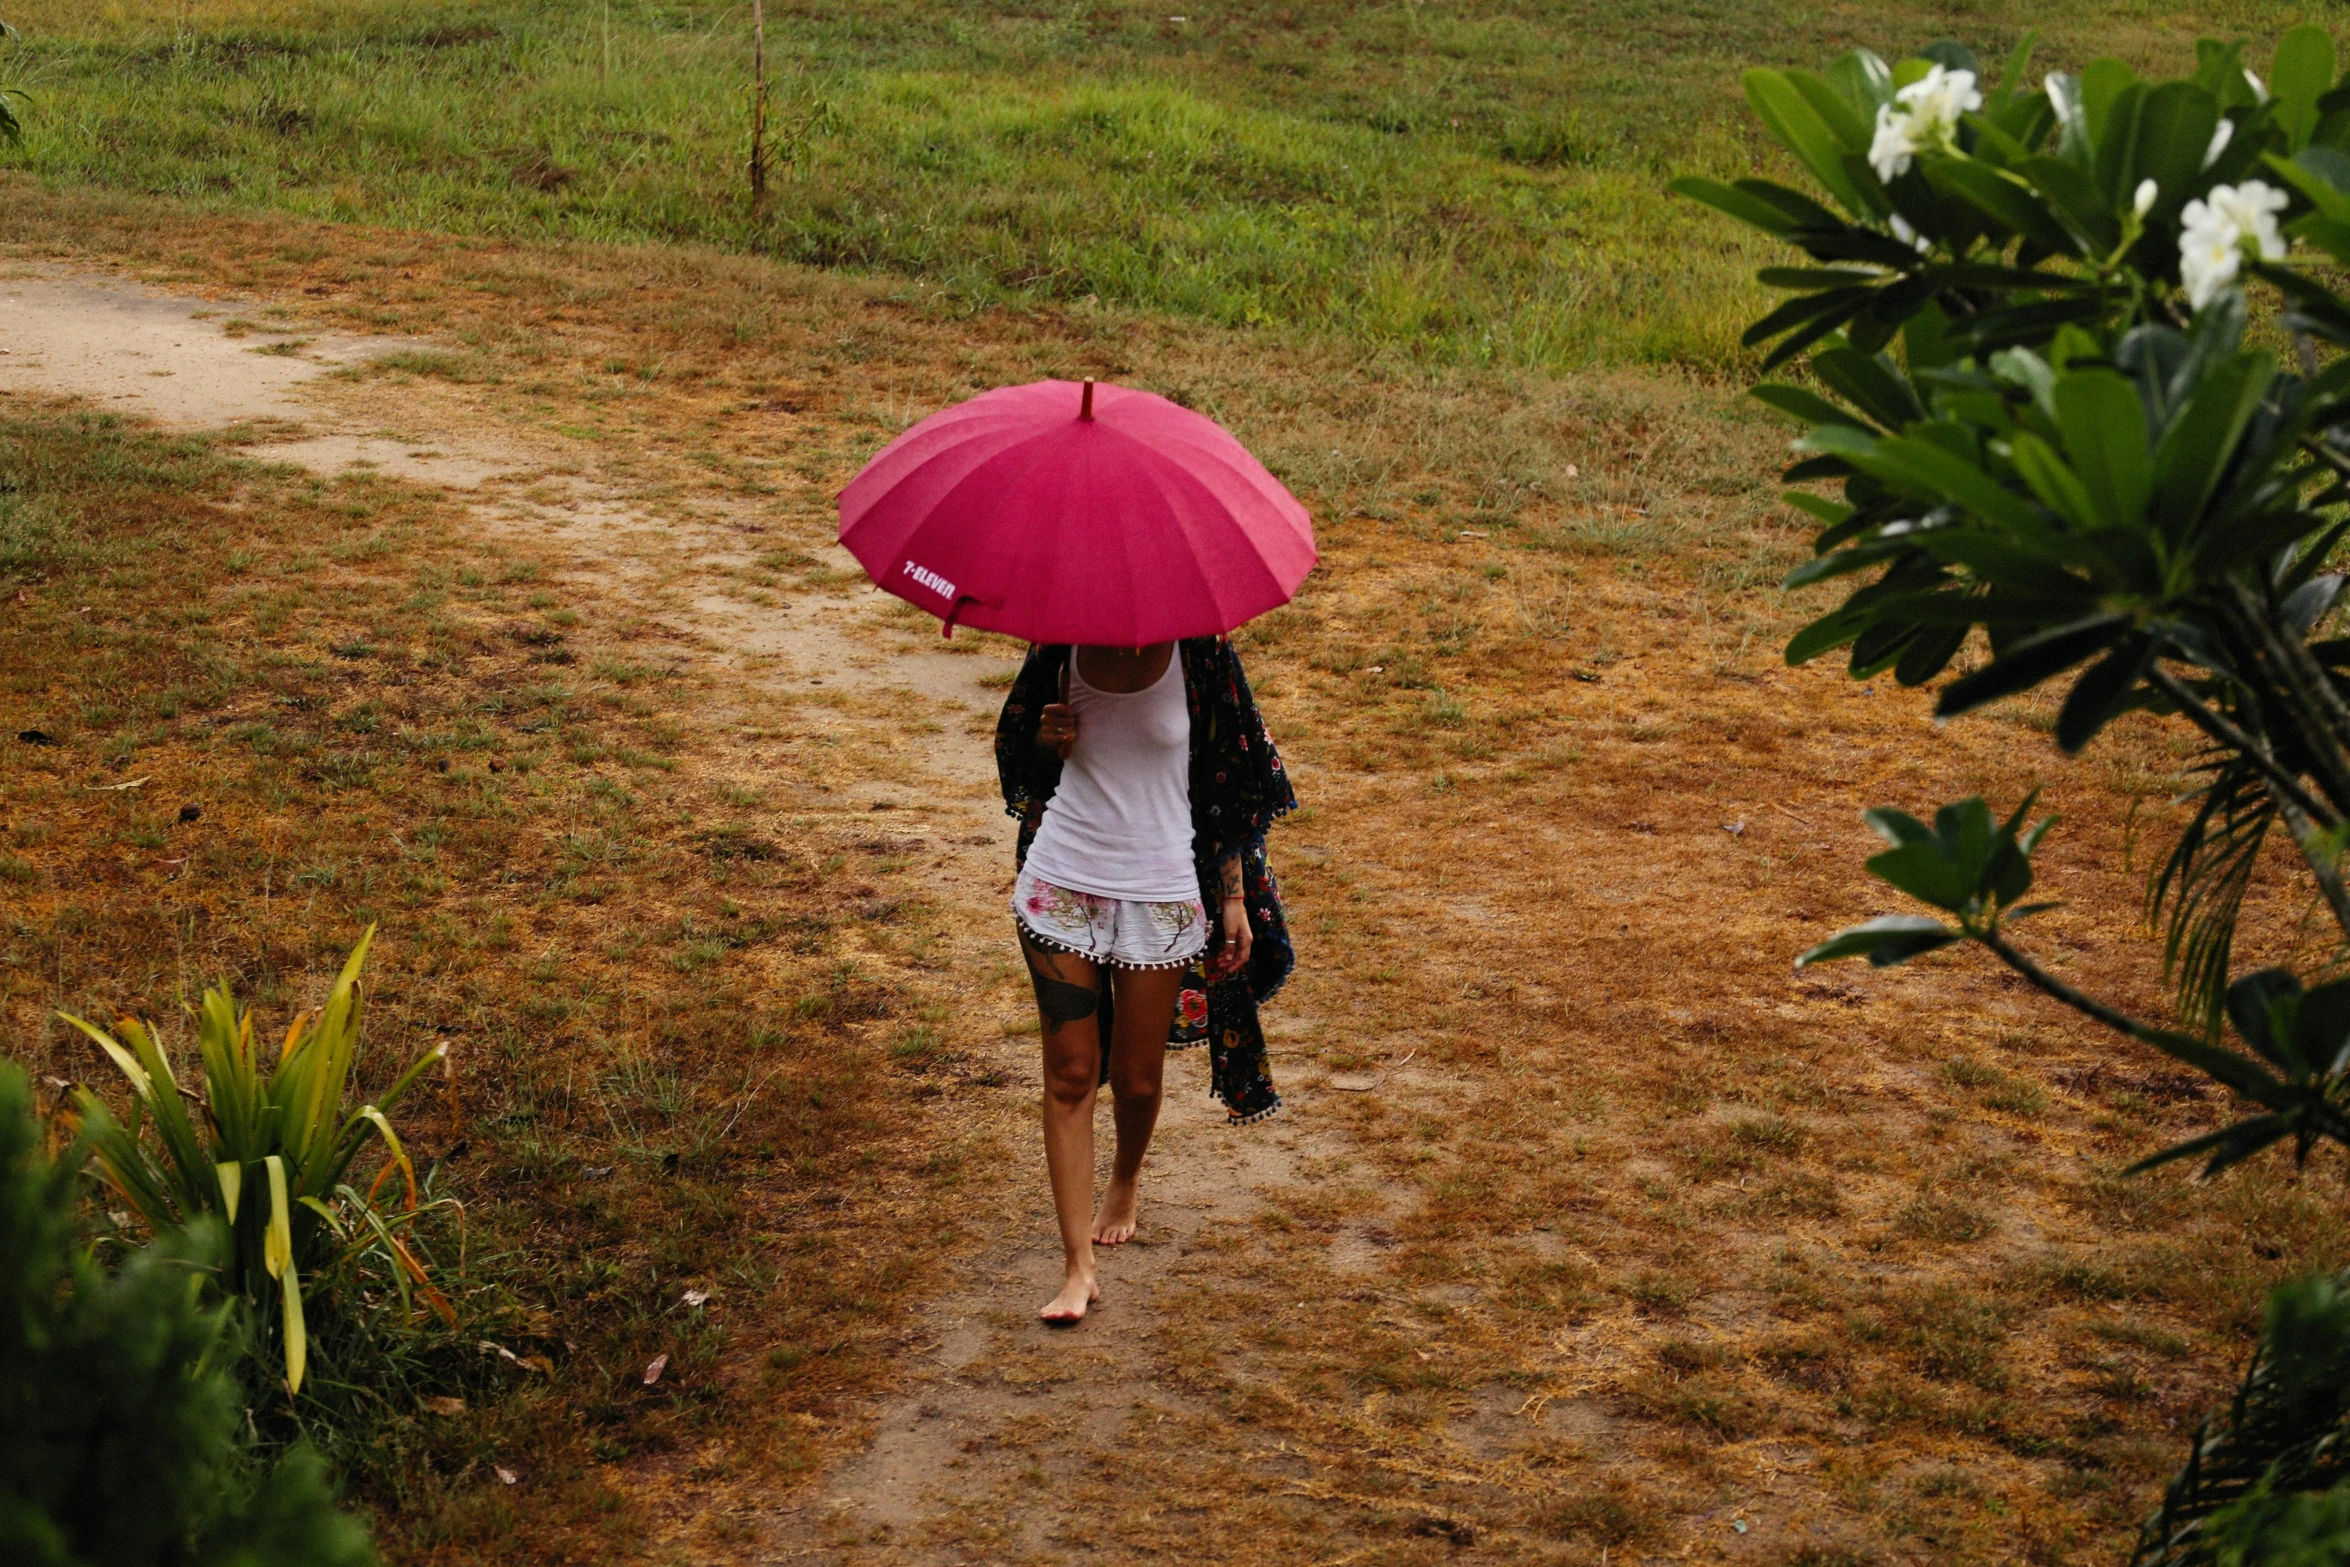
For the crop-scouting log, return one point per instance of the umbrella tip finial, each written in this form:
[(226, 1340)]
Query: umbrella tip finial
[(1085, 408)]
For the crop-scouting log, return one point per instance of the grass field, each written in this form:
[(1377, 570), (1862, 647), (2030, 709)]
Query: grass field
[(1477, 182), (1842, 1257)]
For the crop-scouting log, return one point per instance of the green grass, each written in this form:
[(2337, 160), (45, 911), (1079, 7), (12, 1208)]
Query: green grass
[(1472, 182)]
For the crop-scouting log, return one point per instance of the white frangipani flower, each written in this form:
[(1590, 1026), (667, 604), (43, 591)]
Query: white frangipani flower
[(1922, 117), (2221, 134), (2214, 234), (2142, 202), (2259, 87), (1908, 235)]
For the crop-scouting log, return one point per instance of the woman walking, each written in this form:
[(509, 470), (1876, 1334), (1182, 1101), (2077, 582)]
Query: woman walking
[(1144, 781)]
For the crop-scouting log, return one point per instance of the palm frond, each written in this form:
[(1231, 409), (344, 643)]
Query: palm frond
[(2197, 894), (2285, 1433)]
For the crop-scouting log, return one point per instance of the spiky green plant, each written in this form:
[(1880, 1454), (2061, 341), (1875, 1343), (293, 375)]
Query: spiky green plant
[(264, 1148)]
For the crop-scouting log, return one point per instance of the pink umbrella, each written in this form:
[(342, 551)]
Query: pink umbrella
[(1064, 513)]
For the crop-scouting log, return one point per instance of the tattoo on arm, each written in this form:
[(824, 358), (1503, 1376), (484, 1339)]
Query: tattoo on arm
[(1230, 870)]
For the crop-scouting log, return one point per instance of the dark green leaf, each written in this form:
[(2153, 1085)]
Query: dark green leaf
[(2031, 661), (1863, 81), (2157, 133), (2254, 1003), (1929, 654), (2102, 694), (1932, 468), (2236, 1143), (2301, 74), (2195, 451), (1819, 506), (1811, 469), (2239, 1072), (1870, 384), (2104, 427), (1896, 827), (1803, 404), (2102, 82), (2011, 75), (1815, 278), (1844, 119), (1802, 308), (1806, 212), (1880, 647), (1952, 55), (2006, 201), (1924, 872), (1824, 635), (2322, 175), (1884, 941), (2073, 194), (1804, 336), (1843, 562), (1746, 208), (2027, 324), (2059, 488), (1790, 116)]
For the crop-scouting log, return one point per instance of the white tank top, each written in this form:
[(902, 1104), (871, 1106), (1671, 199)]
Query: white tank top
[(1119, 826)]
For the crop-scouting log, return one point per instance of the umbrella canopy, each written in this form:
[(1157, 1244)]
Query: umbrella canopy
[(1061, 512)]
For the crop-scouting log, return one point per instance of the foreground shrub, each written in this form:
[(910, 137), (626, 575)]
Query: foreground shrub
[(119, 1410)]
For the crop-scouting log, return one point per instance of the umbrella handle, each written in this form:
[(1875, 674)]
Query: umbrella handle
[(947, 627), (1085, 405)]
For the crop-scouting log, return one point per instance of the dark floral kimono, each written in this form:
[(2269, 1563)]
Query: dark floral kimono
[(1237, 789)]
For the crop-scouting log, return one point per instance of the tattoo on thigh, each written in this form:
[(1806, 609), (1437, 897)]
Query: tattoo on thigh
[(1063, 1002), (1059, 1000)]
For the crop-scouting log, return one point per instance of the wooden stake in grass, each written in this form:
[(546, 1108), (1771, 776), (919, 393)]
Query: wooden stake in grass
[(758, 109)]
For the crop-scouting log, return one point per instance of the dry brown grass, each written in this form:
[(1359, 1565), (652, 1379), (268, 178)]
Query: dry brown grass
[(276, 709), (1643, 1236)]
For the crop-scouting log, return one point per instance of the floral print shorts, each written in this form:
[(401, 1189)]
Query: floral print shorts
[(1115, 931)]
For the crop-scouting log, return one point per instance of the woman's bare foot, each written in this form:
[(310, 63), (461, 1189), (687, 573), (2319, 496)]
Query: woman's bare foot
[(1078, 1291), (1113, 1221)]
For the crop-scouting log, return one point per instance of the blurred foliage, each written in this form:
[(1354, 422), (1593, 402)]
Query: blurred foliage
[(120, 1412)]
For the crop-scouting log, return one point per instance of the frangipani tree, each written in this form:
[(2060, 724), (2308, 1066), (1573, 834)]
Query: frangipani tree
[(2072, 356)]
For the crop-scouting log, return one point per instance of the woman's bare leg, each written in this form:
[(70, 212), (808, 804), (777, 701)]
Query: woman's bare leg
[(1138, 1071), (1068, 999)]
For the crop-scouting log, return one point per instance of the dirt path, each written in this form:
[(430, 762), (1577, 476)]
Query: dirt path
[(995, 1411)]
